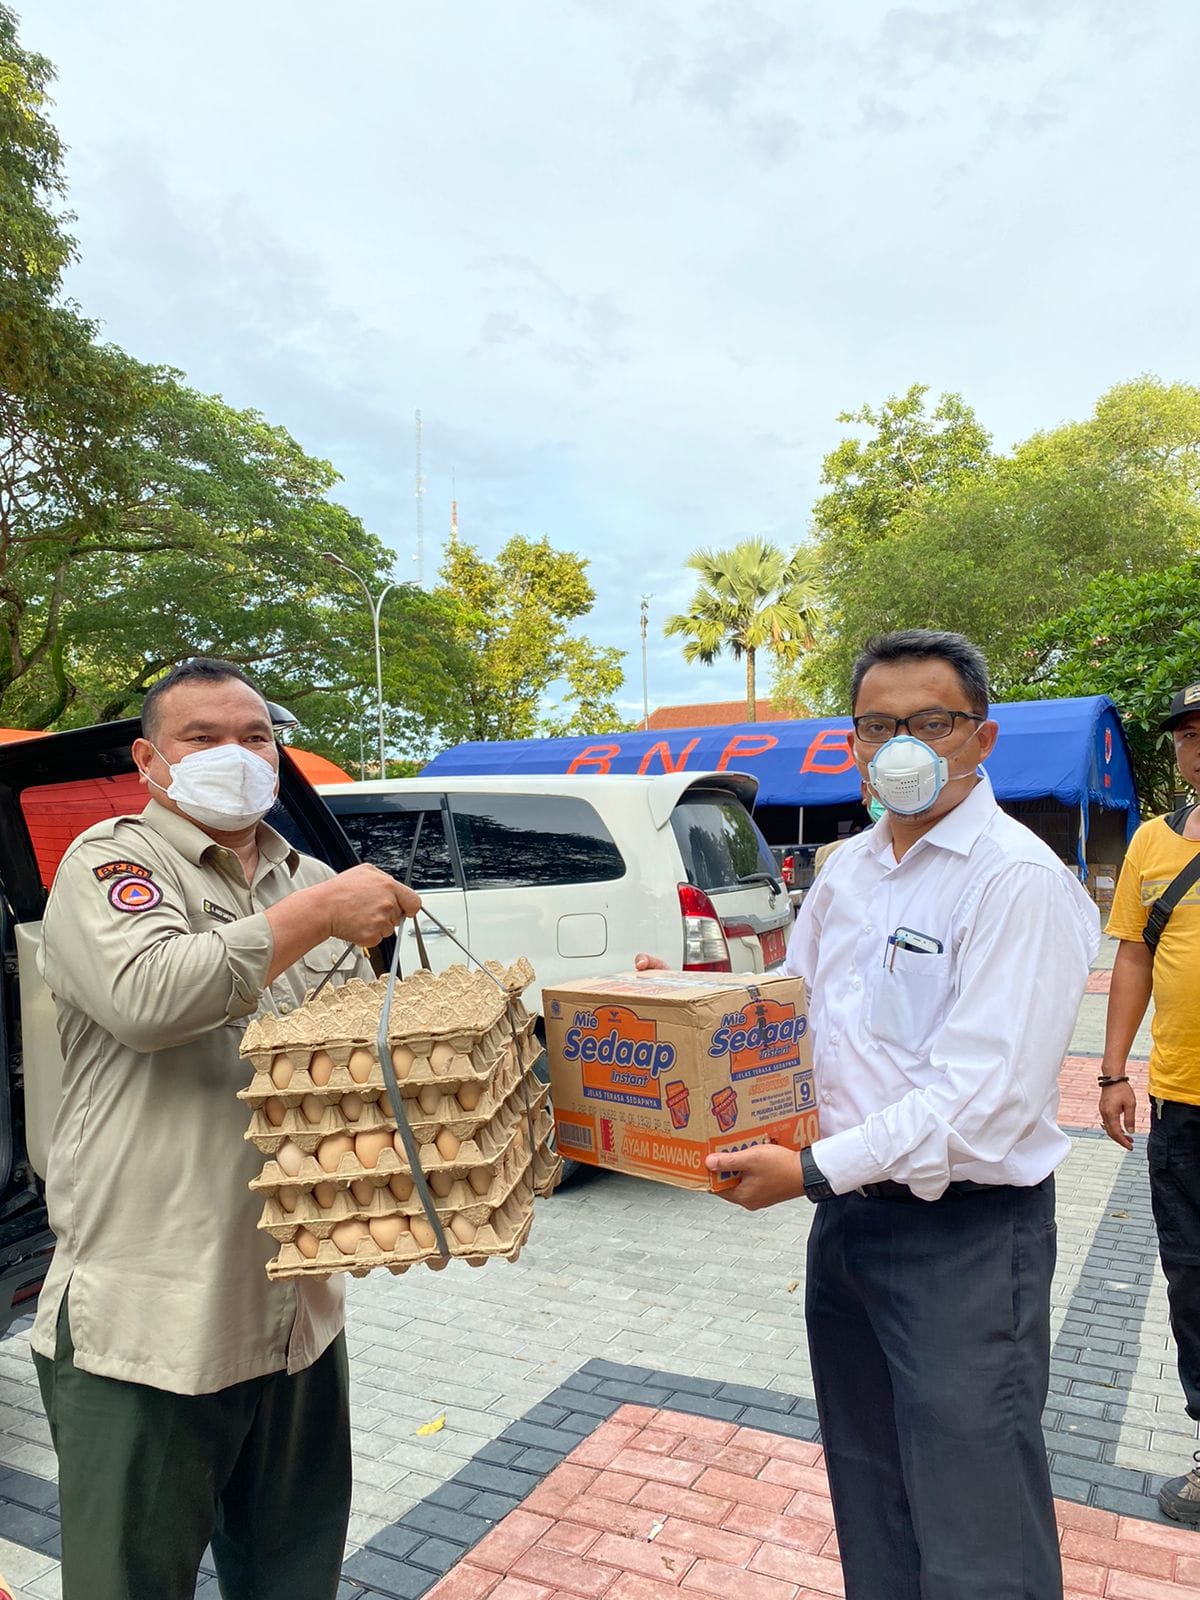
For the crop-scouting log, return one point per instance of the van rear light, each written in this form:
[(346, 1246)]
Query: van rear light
[(704, 947), (788, 871)]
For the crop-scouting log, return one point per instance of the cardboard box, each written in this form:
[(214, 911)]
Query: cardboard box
[(651, 1072), (1102, 882)]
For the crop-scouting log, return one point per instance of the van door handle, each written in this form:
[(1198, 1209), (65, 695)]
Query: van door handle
[(428, 931)]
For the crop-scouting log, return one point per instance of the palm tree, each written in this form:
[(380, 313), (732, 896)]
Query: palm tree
[(750, 598)]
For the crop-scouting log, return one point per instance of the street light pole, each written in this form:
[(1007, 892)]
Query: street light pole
[(645, 681), (374, 606)]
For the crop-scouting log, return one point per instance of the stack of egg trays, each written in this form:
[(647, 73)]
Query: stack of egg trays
[(486, 1187)]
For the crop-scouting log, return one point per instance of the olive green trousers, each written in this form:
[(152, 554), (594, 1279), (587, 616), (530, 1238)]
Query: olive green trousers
[(147, 1479)]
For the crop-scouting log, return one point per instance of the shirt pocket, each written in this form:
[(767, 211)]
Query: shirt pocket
[(910, 998), (315, 964)]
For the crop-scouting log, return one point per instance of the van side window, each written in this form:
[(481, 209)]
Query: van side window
[(385, 839), (532, 841)]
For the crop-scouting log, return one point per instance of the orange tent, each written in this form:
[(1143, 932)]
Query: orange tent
[(317, 769)]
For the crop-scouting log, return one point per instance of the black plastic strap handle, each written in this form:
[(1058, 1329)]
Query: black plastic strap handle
[(411, 1149)]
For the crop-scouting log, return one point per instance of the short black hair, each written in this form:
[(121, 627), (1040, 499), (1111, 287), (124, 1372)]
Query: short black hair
[(924, 644), (203, 669)]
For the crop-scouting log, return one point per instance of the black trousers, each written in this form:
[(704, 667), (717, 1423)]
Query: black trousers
[(1173, 1153), (146, 1478), (929, 1330)]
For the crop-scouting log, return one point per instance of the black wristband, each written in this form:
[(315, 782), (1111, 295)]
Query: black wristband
[(816, 1185), (1106, 1082)]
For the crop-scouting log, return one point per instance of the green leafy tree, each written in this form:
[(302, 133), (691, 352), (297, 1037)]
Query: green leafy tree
[(752, 597), (997, 550), (903, 457), (511, 623), (908, 456), (142, 522), (1136, 639)]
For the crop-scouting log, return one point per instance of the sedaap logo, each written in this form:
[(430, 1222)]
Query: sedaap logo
[(620, 1056), (762, 1037)]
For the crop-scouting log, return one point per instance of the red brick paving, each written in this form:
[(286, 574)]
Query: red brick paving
[(660, 1506), (1099, 982)]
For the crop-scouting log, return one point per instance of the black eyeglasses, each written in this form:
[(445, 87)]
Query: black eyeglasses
[(934, 723)]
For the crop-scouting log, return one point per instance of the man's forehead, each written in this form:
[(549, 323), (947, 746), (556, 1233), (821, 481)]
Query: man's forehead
[(219, 701), (893, 680), (1191, 720)]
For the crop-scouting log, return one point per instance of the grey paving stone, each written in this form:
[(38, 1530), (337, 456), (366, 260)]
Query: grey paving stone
[(436, 1555), (25, 1526), (381, 1575), (458, 1526), (494, 1507)]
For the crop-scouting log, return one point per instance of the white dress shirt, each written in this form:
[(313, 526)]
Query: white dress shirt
[(941, 1063)]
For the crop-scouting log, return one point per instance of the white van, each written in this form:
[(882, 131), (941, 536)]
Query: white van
[(578, 873)]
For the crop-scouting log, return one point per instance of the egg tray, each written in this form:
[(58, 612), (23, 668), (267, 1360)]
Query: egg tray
[(461, 1200), (500, 1238), (474, 1060), (487, 1148), (376, 1113), (438, 1006)]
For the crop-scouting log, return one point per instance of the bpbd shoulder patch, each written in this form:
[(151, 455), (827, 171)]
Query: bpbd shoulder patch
[(133, 894), (121, 869)]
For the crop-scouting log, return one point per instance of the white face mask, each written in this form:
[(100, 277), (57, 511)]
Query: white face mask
[(908, 775), (227, 787)]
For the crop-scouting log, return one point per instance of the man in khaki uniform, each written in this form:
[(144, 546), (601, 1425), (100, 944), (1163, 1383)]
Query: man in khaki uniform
[(189, 1397)]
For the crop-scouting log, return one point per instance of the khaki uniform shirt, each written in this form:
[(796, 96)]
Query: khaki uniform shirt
[(157, 953)]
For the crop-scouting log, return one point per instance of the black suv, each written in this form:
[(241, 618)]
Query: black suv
[(51, 789)]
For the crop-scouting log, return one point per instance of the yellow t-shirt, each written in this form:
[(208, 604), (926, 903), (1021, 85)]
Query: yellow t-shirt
[(1156, 854)]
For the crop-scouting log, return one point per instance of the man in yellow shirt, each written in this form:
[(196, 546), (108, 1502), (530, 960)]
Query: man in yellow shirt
[(1159, 851)]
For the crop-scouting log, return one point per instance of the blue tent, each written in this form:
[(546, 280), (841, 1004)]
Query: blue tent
[(1072, 751)]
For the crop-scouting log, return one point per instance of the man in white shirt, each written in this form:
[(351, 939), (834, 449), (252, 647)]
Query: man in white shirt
[(945, 950)]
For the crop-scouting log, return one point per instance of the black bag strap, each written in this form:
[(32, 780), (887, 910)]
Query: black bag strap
[(1162, 908)]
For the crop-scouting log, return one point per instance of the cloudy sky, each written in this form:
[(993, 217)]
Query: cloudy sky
[(629, 258)]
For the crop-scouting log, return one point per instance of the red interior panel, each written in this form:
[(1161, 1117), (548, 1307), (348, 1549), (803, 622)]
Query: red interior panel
[(56, 813)]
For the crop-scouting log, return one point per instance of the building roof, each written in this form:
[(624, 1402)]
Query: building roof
[(716, 714)]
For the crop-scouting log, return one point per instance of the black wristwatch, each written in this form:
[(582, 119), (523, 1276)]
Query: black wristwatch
[(816, 1185)]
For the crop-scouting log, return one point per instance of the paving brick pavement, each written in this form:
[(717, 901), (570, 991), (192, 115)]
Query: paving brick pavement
[(633, 1292)]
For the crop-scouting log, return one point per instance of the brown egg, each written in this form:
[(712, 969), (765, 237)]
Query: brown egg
[(288, 1199), (480, 1179), (313, 1109), (324, 1194), (402, 1060), (290, 1158), (401, 1185), (332, 1148), (448, 1144), (274, 1110), (320, 1068), (463, 1230), (352, 1105), (281, 1071), (430, 1098), (469, 1095), (348, 1235), (306, 1243), (361, 1064), (440, 1057), (422, 1233), (388, 1231), (441, 1183), (363, 1191), (370, 1145)]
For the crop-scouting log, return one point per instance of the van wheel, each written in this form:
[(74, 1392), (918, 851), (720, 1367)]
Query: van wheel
[(571, 1169)]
